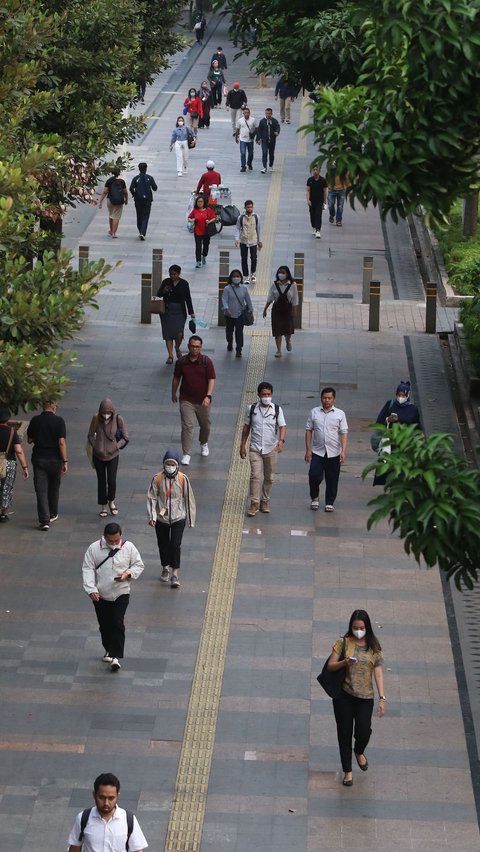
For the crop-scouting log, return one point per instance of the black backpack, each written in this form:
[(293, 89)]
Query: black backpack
[(115, 192), (142, 188), (252, 409), (85, 817)]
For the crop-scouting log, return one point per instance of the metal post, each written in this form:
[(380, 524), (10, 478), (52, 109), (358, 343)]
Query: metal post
[(83, 252), (374, 309), (223, 273), (157, 269), (367, 277), (431, 305), (299, 274), (146, 298)]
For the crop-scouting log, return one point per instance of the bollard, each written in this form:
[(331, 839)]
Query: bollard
[(223, 273), (83, 252), (374, 308), (367, 277), (431, 308), (298, 275), (146, 298), (157, 267)]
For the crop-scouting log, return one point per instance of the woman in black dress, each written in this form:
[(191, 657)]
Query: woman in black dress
[(176, 293)]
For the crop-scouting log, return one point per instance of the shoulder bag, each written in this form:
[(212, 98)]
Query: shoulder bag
[(332, 682), (246, 315), (4, 455)]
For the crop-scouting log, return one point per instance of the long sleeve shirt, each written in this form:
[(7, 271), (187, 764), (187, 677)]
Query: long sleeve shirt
[(234, 298), (102, 579)]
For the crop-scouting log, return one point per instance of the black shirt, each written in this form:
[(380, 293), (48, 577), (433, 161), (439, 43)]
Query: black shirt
[(45, 430), (179, 293), (316, 189), (5, 431)]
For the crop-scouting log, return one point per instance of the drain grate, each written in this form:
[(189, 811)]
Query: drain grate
[(334, 295)]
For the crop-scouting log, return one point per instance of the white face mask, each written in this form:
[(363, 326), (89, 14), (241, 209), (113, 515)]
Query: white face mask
[(107, 416), (282, 276), (180, 123), (265, 400), (359, 634), (170, 469), (236, 280), (401, 400)]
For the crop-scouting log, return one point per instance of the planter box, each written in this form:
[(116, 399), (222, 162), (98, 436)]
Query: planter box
[(472, 381)]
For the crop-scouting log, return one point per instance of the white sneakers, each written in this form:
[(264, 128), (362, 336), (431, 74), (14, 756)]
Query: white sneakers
[(205, 450), (185, 459), (318, 235)]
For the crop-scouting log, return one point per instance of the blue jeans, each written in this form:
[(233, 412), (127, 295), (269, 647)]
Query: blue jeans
[(336, 195), (244, 147)]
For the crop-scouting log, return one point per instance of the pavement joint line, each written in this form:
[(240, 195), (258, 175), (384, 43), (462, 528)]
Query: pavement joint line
[(184, 831), (265, 257)]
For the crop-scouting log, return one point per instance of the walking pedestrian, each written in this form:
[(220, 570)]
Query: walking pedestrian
[(245, 133), (217, 81), (208, 179), (10, 450), (178, 302), (109, 566), (192, 110), (326, 433), (236, 100), (205, 95), (170, 508), (47, 432), (266, 425), (283, 295), (337, 192), (199, 27), (106, 825), (141, 190), (195, 374), (235, 298), (316, 200), (287, 94), (400, 409), (267, 132), (107, 435), (248, 235), (359, 653), (180, 138), (220, 57), (115, 191), (201, 215)]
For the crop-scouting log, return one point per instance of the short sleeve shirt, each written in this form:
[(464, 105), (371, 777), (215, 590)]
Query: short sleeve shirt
[(195, 376), (316, 189), (107, 835), (326, 428), (45, 430), (358, 678), (263, 428)]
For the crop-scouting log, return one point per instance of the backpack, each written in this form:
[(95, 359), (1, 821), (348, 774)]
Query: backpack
[(115, 192), (283, 304), (142, 188), (252, 409), (184, 359), (85, 817), (242, 218)]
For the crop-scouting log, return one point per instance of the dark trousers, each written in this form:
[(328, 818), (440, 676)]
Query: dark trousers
[(253, 258), (349, 710), (202, 244), (320, 466), (268, 150), (316, 211), (47, 475), (169, 539), (234, 324), (143, 215), (111, 621), (217, 94), (107, 479)]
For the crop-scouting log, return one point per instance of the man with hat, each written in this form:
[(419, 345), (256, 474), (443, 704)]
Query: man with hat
[(207, 180), (236, 100), (170, 507)]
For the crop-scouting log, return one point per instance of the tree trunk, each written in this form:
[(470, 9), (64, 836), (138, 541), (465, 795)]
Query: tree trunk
[(470, 215)]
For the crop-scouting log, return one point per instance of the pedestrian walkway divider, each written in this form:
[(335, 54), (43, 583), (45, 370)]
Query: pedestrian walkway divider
[(431, 307), (157, 269), (146, 298), (298, 275), (223, 273), (374, 306), (83, 256), (367, 277)]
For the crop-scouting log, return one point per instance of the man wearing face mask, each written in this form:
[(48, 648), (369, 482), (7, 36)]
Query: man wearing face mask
[(107, 435), (170, 507), (235, 298), (266, 425)]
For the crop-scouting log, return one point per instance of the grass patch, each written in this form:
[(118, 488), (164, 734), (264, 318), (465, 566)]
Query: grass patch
[(461, 254)]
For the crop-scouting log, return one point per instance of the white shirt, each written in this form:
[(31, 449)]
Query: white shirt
[(107, 835), (263, 434), (326, 428), (102, 579), (245, 131)]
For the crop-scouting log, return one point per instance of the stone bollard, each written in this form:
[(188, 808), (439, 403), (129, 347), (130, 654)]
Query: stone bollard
[(223, 273), (146, 298), (299, 274), (374, 309), (157, 269), (83, 254), (431, 308), (367, 277)]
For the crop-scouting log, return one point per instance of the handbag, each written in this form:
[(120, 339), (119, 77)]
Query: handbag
[(190, 226), (4, 455), (251, 133), (191, 141), (157, 306), (192, 326), (214, 226), (194, 114), (228, 214), (377, 437), (332, 682), (246, 315)]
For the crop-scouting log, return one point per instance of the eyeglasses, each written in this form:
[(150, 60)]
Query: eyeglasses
[(194, 345)]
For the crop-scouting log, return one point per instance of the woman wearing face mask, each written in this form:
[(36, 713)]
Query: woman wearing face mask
[(180, 137), (398, 410), (217, 81), (205, 95), (170, 507), (235, 298), (201, 215), (107, 435), (359, 653), (193, 110), (284, 295)]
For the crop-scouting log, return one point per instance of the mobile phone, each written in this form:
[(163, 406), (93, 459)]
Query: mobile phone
[(353, 659), (394, 416)]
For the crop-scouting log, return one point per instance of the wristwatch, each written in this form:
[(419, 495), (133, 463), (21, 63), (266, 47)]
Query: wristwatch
[(209, 396), (382, 697)]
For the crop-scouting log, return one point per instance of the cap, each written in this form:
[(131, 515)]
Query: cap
[(210, 164), (172, 455), (236, 85)]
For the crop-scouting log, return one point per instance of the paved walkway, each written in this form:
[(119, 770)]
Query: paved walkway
[(215, 724)]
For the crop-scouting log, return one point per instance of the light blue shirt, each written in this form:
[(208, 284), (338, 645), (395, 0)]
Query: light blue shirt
[(235, 298)]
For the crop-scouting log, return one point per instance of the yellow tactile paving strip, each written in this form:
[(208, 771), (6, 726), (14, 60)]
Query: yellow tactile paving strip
[(265, 256), (186, 820)]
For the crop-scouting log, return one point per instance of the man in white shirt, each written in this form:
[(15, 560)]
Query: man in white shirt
[(265, 423), (245, 134), (326, 432), (106, 826)]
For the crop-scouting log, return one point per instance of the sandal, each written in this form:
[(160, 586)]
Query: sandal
[(362, 766), (113, 509), (169, 360), (103, 513), (178, 352)]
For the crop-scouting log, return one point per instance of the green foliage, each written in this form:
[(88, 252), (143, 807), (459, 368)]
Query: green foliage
[(461, 254), (470, 317), (431, 499)]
